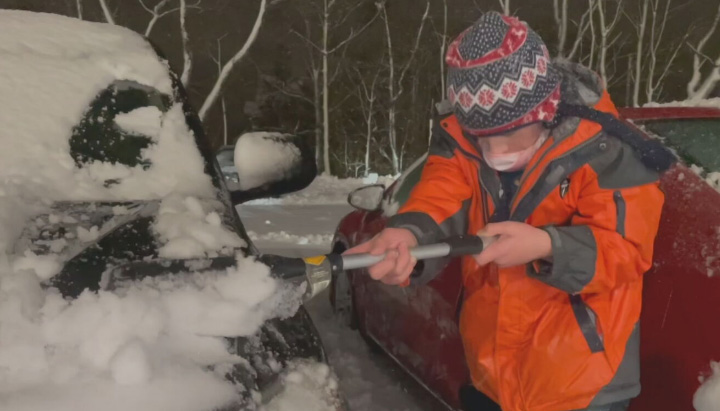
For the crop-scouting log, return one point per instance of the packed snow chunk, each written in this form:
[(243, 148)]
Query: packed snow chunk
[(707, 397), (263, 158), (190, 229), (85, 235), (306, 386), (44, 266), (130, 365), (283, 237), (145, 121)]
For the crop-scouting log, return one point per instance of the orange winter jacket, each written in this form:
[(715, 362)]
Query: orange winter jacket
[(562, 335)]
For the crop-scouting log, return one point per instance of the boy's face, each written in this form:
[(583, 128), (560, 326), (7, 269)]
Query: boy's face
[(514, 142)]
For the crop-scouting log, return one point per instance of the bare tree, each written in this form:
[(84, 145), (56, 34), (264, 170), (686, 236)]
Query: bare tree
[(156, 12), (697, 87), (639, 54), (657, 39), (560, 8), (218, 62), (367, 96), (230, 64), (593, 38), (561, 21), (106, 12), (329, 24), (443, 47), (79, 9), (395, 83), (187, 55), (505, 6), (606, 29)]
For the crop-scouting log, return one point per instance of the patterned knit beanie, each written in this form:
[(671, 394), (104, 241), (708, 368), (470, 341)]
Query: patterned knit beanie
[(500, 77)]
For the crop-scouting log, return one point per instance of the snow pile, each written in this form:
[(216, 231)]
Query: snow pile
[(324, 190), (308, 386), (710, 103), (147, 346), (707, 397), (52, 68), (190, 229), (283, 237), (262, 158)]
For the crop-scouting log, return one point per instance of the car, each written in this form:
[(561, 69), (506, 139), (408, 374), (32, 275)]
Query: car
[(418, 326), (101, 144)]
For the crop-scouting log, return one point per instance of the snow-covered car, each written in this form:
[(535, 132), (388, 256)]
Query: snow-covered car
[(127, 280), (418, 326)]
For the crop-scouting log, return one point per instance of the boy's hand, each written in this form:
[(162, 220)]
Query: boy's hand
[(517, 244), (397, 266)]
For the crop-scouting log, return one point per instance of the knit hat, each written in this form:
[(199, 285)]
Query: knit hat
[(500, 77)]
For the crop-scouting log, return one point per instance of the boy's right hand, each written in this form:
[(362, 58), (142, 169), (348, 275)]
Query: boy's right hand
[(397, 266)]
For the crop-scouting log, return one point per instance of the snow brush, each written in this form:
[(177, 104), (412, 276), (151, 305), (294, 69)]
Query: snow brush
[(317, 271)]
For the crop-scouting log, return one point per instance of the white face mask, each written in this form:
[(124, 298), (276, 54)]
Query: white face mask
[(514, 161)]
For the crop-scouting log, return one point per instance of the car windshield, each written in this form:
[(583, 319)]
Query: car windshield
[(697, 141)]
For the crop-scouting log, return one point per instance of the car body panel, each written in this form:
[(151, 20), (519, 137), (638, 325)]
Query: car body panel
[(680, 294)]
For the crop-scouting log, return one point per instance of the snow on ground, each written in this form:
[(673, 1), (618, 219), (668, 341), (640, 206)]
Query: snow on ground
[(325, 190), (710, 102), (368, 380)]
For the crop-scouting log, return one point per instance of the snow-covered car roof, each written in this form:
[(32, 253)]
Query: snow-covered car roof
[(71, 89)]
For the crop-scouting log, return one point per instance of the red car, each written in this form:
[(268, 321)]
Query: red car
[(418, 326)]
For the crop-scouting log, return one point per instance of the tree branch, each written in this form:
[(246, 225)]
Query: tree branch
[(106, 11), (353, 34), (212, 97), (415, 48), (187, 54)]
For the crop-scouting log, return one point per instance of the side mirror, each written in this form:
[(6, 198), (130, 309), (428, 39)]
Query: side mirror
[(270, 165), (368, 198)]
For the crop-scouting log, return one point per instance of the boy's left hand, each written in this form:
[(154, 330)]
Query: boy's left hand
[(517, 244)]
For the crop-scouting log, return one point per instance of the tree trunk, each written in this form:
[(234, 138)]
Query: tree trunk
[(639, 57), (217, 88), (325, 94)]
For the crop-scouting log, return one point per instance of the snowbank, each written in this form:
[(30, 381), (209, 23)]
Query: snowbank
[(711, 103), (325, 190), (262, 158)]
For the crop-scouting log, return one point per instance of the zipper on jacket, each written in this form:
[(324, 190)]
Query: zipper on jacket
[(620, 206)]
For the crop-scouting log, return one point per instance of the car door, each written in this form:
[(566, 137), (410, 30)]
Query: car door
[(418, 325), (681, 291)]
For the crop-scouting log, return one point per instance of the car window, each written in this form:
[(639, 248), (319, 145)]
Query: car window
[(226, 158), (697, 141), (407, 182), (98, 136)]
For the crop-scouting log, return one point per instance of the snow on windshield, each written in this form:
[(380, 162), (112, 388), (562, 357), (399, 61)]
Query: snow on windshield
[(51, 71), (262, 158)]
